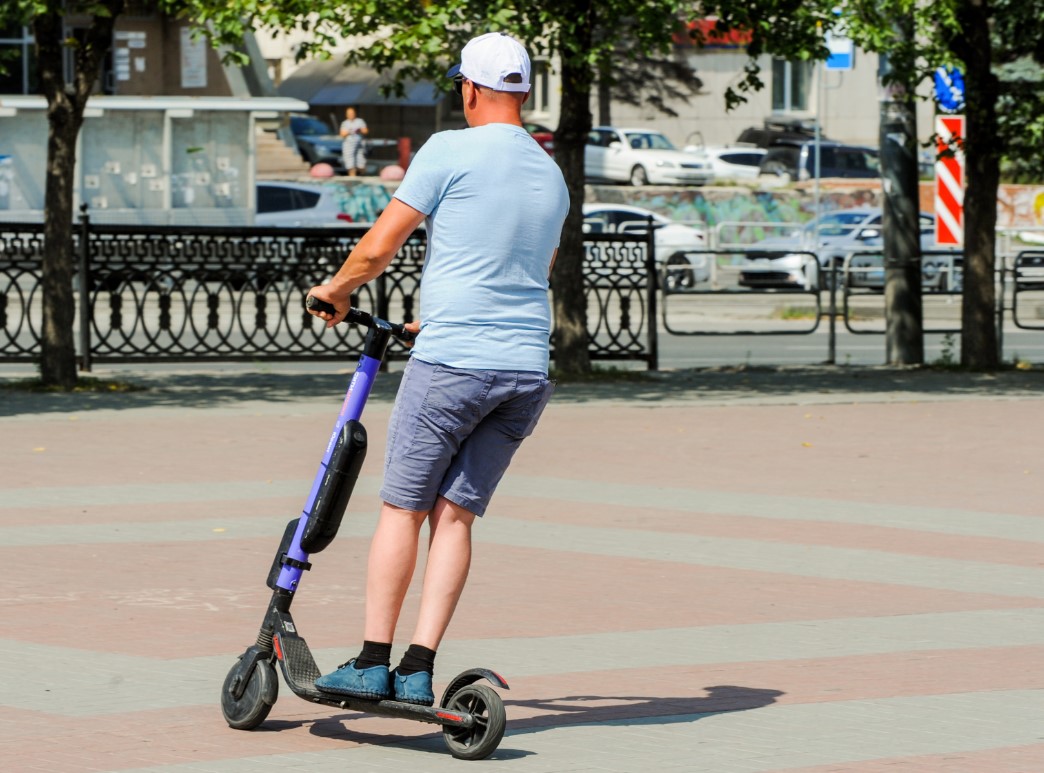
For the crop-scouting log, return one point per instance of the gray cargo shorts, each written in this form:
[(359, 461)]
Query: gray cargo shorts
[(453, 433)]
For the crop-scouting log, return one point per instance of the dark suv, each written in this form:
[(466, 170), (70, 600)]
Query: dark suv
[(796, 160), (776, 130)]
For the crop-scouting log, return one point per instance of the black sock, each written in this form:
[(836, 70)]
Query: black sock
[(374, 654), (417, 658)]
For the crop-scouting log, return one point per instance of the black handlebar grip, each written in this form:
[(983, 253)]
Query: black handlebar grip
[(314, 304), (360, 318)]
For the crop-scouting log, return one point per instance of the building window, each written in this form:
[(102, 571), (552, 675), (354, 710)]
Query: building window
[(17, 61), (791, 84)]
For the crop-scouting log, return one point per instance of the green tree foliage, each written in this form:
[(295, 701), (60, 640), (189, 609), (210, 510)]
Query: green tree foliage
[(583, 37)]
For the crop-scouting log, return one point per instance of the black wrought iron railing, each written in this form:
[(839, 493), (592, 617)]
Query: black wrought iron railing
[(166, 293)]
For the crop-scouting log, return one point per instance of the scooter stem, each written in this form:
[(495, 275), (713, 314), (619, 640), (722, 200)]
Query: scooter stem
[(376, 342)]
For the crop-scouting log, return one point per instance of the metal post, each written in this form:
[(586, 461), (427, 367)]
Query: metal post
[(653, 322), (85, 291), (1000, 309), (832, 325)]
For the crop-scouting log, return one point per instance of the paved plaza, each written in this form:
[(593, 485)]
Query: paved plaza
[(809, 570)]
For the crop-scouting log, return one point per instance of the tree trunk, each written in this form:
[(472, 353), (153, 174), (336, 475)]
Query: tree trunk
[(570, 300), (979, 349), (904, 314), (65, 106), (58, 349)]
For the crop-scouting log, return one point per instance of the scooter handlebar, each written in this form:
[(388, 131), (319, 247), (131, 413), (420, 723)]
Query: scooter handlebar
[(362, 318)]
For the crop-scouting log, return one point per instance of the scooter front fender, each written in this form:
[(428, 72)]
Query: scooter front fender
[(468, 677)]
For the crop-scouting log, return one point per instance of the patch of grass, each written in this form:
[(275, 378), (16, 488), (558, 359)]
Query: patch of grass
[(1018, 363), (36, 385), (796, 312)]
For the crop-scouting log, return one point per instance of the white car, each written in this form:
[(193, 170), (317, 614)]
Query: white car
[(299, 204), (730, 162), (680, 258), (640, 157), (793, 260)]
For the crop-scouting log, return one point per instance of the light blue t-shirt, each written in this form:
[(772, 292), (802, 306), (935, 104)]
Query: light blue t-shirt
[(495, 203)]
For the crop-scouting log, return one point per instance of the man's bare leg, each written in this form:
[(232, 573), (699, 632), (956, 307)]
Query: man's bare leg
[(393, 557), (449, 560)]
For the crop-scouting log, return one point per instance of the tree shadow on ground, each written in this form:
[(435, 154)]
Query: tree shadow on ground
[(755, 385)]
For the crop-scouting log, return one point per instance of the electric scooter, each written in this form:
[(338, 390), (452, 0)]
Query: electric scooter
[(471, 715)]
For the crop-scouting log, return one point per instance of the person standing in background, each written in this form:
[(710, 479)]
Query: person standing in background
[(353, 129)]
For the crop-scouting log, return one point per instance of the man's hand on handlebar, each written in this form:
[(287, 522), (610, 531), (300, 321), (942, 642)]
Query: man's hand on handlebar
[(322, 292)]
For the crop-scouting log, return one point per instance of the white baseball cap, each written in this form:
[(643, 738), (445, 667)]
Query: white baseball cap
[(494, 60)]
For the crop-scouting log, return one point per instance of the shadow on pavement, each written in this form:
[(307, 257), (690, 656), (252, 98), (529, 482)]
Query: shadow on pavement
[(571, 710), (590, 709), (745, 384)]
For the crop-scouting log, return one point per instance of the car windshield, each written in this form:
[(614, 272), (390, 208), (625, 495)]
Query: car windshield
[(309, 126), (648, 141), (836, 223)]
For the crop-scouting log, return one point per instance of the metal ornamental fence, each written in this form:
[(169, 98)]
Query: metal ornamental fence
[(151, 293), (167, 293)]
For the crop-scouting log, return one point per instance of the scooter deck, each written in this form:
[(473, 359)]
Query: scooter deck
[(300, 672)]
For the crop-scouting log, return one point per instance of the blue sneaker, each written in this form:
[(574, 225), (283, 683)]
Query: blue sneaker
[(415, 688), (369, 683)]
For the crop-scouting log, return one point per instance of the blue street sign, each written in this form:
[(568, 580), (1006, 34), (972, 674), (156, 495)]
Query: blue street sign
[(949, 89), (842, 52)]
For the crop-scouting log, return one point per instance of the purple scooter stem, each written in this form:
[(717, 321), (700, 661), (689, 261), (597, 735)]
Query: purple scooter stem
[(352, 408)]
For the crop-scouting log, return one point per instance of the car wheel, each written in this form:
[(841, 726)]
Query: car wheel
[(310, 154), (778, 169), (678, 275), (638, 176)]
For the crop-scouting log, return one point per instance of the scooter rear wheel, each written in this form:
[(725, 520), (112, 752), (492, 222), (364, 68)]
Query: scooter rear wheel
[(250, 709), (481, 739)]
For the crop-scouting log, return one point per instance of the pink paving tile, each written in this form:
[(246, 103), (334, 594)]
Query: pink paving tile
[(216, 590), (278, 508), (832, 451), (791, 531), (170, 448), (191, 734)]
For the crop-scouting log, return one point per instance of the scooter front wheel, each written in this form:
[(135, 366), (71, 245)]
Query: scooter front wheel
[(482, 738), (256, 699)]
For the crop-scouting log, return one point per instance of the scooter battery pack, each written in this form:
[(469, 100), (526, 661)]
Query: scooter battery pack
[(339, 478)]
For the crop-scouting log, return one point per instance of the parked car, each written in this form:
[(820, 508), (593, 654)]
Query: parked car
[(1029, 271), (680, 260), (796, 160), (787, 261), (545, 137), (299, 204), (730, 162), (318, 143), (777, 129), (640, 157)]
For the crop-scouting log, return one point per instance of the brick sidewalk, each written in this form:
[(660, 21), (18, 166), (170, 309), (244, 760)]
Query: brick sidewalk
[(724, 575)]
